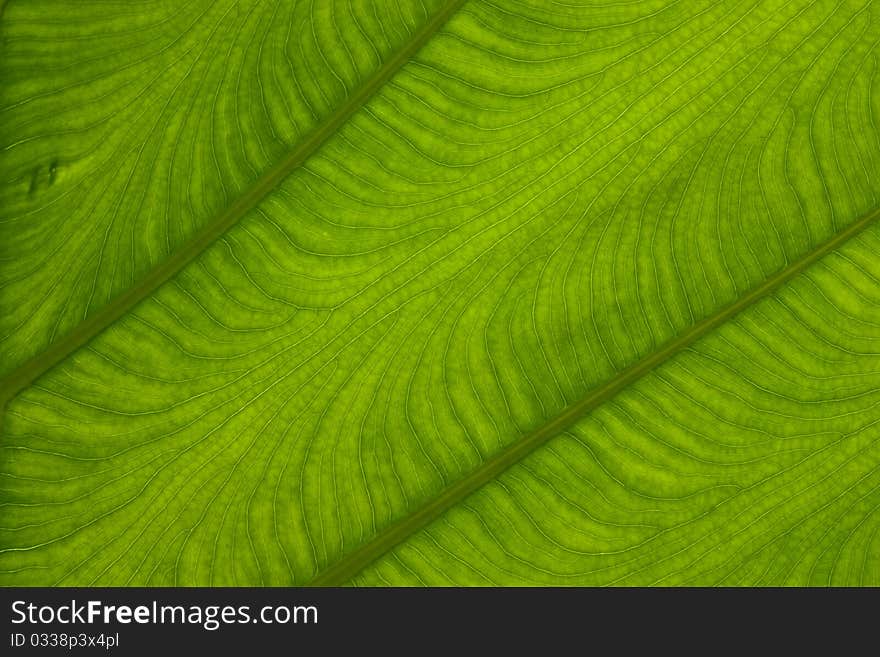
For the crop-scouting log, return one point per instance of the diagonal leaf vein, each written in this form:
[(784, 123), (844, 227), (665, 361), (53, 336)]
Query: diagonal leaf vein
[(26, 373), (396, 533)]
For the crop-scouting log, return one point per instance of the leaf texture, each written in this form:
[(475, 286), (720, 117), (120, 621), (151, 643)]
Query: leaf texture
[(739, 462), (542, 195)]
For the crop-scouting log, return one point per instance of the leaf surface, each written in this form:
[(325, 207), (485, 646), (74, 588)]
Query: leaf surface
[(508, 207)]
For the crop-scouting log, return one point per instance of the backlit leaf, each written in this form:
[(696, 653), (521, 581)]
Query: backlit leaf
[(423, 292)]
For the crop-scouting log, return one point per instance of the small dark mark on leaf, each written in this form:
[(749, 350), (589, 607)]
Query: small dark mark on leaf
[(35, 181)]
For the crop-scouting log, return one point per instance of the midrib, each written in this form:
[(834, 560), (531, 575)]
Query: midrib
[(396, 533), (21, 377)]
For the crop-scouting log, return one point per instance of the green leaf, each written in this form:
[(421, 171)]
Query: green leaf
[(451, 292)]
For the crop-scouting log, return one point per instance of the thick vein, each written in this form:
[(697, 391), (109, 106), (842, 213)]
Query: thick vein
[(25, 374), (398, 532)]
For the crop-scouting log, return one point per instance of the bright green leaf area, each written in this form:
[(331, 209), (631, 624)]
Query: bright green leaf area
[(405, 239)]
